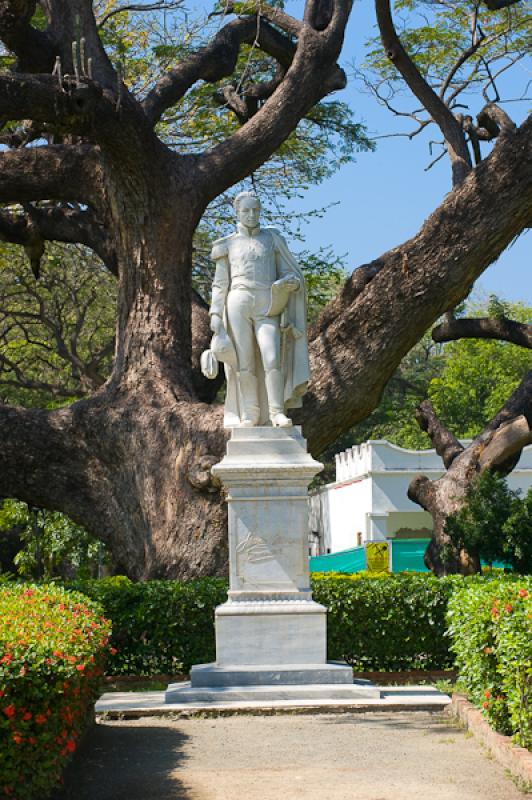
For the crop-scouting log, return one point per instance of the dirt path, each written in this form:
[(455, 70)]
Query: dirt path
[(377, 756)]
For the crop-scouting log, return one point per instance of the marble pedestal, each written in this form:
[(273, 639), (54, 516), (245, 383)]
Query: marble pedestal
[(270, 634)]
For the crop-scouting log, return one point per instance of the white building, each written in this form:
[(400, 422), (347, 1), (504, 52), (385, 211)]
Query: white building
[(369, 502)]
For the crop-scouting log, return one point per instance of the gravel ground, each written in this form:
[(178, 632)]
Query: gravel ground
[(370, 756)]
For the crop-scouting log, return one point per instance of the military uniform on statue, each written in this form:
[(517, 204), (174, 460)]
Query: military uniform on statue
[(258, 316)]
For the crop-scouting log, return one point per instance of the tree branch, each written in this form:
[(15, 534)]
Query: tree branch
[(43, 460), (55, 172), (73, 21), (158, 6), (66, 103), (216, 61), (495, 121), (33, 48), (445, 443), (60, 224), (449, 126), (506, 442), (386, 306), (312, 74), (484, 328)]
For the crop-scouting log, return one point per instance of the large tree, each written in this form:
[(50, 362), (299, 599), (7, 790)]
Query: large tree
[(132, 461)]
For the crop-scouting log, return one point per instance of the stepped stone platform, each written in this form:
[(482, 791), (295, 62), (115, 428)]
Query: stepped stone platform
[(361, 696)]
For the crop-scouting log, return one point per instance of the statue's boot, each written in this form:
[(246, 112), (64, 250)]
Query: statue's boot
[(249, 399), (275, 392)]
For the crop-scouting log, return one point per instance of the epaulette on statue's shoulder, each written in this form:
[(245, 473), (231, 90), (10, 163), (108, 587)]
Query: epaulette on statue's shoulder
[(220, 246)]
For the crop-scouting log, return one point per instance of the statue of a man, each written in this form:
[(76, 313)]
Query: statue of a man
[(258, 317)]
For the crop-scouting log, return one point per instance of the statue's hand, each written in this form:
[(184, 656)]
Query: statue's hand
[(291, 282), (217, 325)]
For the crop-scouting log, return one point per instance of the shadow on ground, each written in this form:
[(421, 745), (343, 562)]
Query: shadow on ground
[(416, 721), (126, 763)]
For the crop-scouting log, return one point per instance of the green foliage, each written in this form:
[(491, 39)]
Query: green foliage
[(51, 545), (396, 622), (53, 646), (478, 376), (490, 625), (56, 334), (494, 524), (393, 623), (159, 626), (324, 274), (436, 35)]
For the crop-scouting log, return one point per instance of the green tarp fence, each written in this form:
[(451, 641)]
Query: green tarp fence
[(346, 561), (407, 556)]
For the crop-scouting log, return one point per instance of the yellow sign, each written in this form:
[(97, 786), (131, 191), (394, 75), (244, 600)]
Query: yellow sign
[(377, 557)]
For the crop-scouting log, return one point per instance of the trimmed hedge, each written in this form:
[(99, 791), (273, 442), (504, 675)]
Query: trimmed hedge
[(491, 629), (391, 623), (53, 645)]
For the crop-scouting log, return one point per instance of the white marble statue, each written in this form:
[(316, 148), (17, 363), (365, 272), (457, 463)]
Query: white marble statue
[(258, 317)]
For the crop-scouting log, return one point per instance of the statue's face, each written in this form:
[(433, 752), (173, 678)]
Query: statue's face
[(249, 212)]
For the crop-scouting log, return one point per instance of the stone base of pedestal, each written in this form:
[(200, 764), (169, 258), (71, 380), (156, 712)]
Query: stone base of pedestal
[(186, 694), (257, 633), (273, 675), (271, 637)]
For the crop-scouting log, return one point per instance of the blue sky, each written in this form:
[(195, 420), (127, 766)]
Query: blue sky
[(385, 196)]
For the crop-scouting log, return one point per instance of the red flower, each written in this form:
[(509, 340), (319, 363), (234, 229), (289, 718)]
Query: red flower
[(58, 654), (487, 694), (32, 740), (485, 704), (80, 667), (10, 711), (17, 738), (113, 651), (508, 608), (27, 716), (2, 693), (7, 659), (494, 611), (71, 745), (40, 719), (523, 593)]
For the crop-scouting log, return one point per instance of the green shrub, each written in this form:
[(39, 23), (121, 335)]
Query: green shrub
[(52, 651), (392, 623), (491, 629), (159, 626), (495, 524)]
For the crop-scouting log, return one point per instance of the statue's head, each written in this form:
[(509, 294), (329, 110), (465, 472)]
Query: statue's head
[(247, 207)]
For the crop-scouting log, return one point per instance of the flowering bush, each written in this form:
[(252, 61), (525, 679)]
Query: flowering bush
[(53, 645), (491, 629)]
